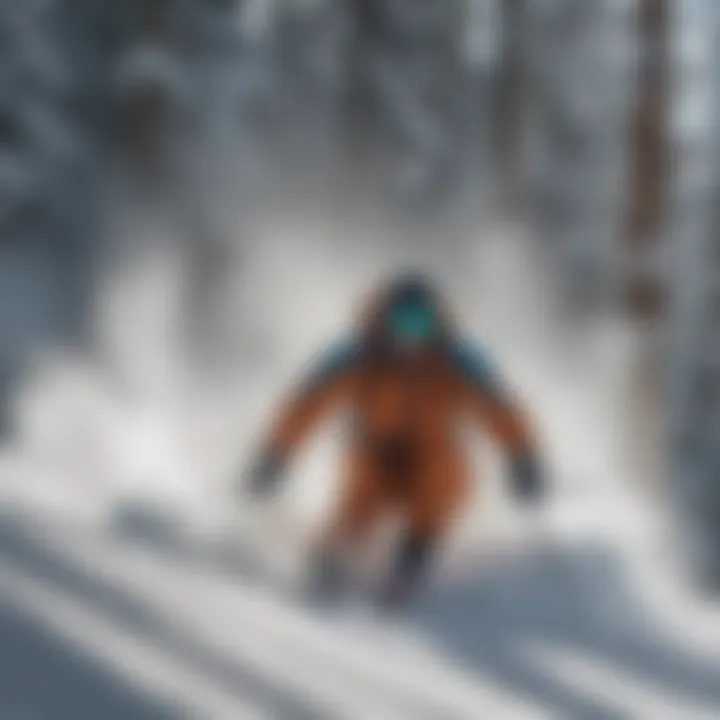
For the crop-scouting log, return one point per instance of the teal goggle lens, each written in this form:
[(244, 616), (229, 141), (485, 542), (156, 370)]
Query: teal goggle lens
[(412, 323)]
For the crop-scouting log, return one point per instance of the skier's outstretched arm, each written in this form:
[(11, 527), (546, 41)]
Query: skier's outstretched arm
[(326, 387), (494, 406)]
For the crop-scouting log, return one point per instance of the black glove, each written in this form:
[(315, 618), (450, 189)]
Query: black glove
[(265, 475), (526, 477)]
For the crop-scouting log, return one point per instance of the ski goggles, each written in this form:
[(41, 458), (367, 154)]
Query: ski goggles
[(412, 323)]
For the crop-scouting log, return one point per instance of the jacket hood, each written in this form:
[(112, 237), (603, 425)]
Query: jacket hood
[(388, 293)]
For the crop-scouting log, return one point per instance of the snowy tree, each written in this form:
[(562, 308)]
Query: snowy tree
[(692, 253), (579, 62), (46, 207)]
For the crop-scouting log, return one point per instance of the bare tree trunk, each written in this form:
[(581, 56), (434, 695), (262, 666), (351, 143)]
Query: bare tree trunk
[(648, 166)]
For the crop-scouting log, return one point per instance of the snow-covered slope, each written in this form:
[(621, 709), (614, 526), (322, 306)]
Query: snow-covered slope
[(121, 553)]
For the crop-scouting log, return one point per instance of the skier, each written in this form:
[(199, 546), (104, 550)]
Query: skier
[(406, 376)]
